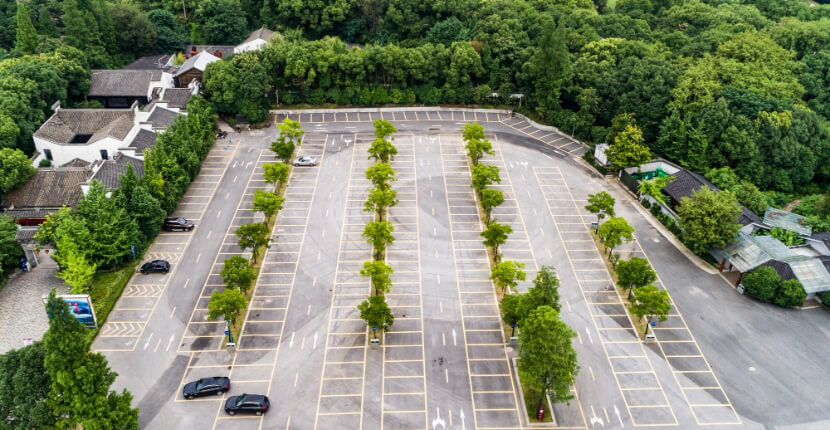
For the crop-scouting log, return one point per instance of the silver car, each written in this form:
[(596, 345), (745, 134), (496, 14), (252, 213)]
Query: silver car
[(305, 161)]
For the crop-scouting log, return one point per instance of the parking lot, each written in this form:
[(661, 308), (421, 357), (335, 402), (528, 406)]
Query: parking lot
[(445, 363)]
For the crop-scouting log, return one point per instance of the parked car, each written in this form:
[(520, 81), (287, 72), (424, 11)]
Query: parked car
[(178, 223), (155, 266), (306, 161), (255, 403), (207, 386)]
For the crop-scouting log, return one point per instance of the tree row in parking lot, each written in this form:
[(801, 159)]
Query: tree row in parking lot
[(239, 273), (379, 232)]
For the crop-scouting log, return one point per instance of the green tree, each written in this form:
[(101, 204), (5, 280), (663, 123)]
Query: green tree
[(484, 175), (170, 34), (494, 236), (472, 131), (382, 150), (476, 148), (512, 310), (628, 150), (24, 388), (600, 204), (135, 35), (80, 394), (614, 232), (761, 283), (379, 200), (551, 67), (380, 274), (228, 303), (376, 313), (379, 235), (26, 33), (547, 360), (10, 249), (111, 229), (222, 21), (709, 219), (790, 294), (507, 274), (15, 169), (651, 301), (544, 292), (276, 174), (384, 129), (76, 271), (447, 31), (490, 199), (238, 272), (633, 273), (380, 174), (268, 203), (253, 236), (290, 137), (9, 131)]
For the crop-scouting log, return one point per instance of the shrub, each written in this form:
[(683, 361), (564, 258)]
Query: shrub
[(396, 95), (646, 204), (482, 94), (790, 294), (318, 96), (762, 283), (44, 163), (824, 296)]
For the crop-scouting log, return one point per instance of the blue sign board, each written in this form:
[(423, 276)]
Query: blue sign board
[(227, 332), (654, 323), (81, 306)]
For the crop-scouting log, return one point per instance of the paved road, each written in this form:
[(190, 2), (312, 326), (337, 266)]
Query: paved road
[(22, 313), (305, 346)]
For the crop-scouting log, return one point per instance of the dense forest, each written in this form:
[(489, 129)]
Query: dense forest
[(736, 84)]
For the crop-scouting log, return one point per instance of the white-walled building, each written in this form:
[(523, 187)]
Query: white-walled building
[(101, 134), (255, 41)]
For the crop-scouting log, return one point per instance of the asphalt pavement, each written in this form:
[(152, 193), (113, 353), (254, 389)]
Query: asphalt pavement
[(445, 363)]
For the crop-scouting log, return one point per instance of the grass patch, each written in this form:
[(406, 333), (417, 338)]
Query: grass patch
[(106, 289), (639, 323), (532, 400)]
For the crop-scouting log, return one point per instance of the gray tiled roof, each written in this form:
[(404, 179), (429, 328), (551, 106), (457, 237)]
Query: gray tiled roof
[(261, 33), (162, 118), (76, 162), (111, 170), (685, 183), (100, 123), (134, 83), (149, 62), (198, 62), (226, 50), (144, 139), (176, 97), (49, 188)]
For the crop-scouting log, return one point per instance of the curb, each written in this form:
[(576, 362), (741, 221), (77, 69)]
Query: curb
[(398, 109), (520, 395)]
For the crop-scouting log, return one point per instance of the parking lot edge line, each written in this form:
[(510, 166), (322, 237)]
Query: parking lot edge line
[(686, 327), (331, 303), (585, 298), (184, 250), (458, 285)]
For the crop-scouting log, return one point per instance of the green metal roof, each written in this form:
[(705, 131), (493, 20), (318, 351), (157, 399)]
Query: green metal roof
[(786, 220)]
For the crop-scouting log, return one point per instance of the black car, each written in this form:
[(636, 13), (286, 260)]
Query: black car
[(206, 386), (178, 223), (255, 403), (155, 266)]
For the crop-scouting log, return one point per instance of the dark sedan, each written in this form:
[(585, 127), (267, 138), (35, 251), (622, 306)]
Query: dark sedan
[(178, 223), (250, 403), (155, 266), (206, 386)]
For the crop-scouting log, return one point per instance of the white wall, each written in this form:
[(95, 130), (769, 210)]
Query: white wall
[(250, 46), (90, 152)]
